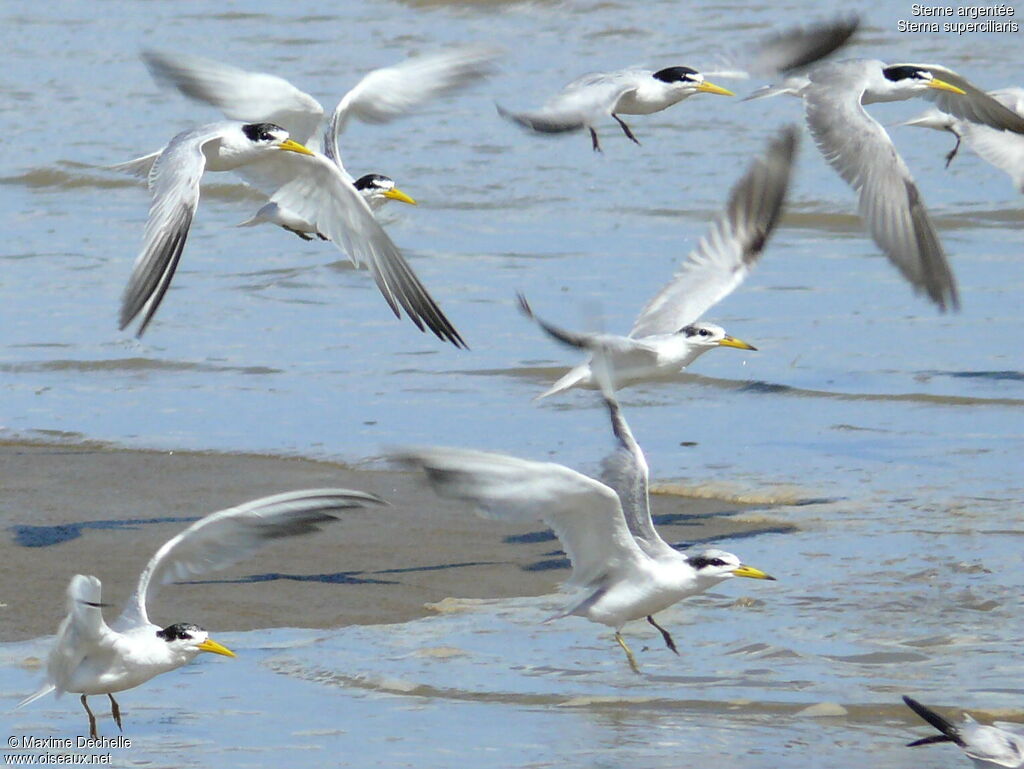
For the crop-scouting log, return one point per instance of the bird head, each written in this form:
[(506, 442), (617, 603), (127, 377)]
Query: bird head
[(708, 335), (185, 640), (378, 189), (902, 81), (689, 80), (715, 565), (272, 136)]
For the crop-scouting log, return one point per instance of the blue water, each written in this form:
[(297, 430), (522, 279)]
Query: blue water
[(908, 422)]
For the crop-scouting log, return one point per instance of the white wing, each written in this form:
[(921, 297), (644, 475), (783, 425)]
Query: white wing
[(391, 92), (585, 514), (581, 103), (862, 153), (1003, 149), (174, 185), (252, 97), (81, 631), (317, 190), (725, 255), (992, 745), (625, 470), (975, 105), (223, 538)]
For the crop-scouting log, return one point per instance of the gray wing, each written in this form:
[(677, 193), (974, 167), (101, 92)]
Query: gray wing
[(174, 185), (225, 537), (794, 48), (975, 105), (252, 97), (320, 193), (581, 103), (725, 255), (801, 46), (585, 514), (862, 153), (611, 352), (392, 92), (625, 471)]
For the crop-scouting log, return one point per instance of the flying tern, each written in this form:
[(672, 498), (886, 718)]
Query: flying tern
[(668, 335), (594, 97), (597, 95), (318, 197), (988, 747), (621, 566), (861, 152), (1003, 149), (89, 657)]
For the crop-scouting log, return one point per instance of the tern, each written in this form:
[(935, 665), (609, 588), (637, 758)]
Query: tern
[(597, 95), (1003, 149), (668, 335), (89, 657), (622, 567), (861, 152), (634, 91), (318, 197), (988, 747)]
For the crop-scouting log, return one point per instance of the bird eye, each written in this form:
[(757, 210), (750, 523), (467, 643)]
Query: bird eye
[(705, 332)]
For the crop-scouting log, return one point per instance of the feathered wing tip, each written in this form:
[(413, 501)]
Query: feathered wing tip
[(140, 167), (42, 692), (757, 200), (798, 47), (950, 733)]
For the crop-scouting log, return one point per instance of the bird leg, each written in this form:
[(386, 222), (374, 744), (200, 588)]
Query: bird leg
[(301, 234), (92, 720), (952, 154), (664, 634), (625, 129), (594, 141), (629, 653), (115, 711)]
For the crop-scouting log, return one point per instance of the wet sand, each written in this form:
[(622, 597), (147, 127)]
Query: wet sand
[(68, 509)]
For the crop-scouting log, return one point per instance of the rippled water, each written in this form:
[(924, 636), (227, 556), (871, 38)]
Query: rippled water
[(908, 423)]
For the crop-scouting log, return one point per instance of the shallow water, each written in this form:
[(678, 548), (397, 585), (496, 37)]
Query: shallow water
[(905, 425)]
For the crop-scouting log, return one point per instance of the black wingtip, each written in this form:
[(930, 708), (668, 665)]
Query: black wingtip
[(949, 731)]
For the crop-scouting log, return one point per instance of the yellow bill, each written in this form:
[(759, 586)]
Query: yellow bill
[(293, 146), (739, 344), (209, 645), (707, 87), (396, 194), (749, 571), (942, 85)]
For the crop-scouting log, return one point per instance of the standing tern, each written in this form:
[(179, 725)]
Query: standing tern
[(667, 335), (89, 657), (861, 152), (622, 567), (988, 747), (1003, 149)]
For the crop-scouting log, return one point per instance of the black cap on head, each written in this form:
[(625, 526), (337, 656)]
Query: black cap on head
[(676, 74), (260, 132), (373, 180), (906, 72), (178, 631), (702, 561)]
